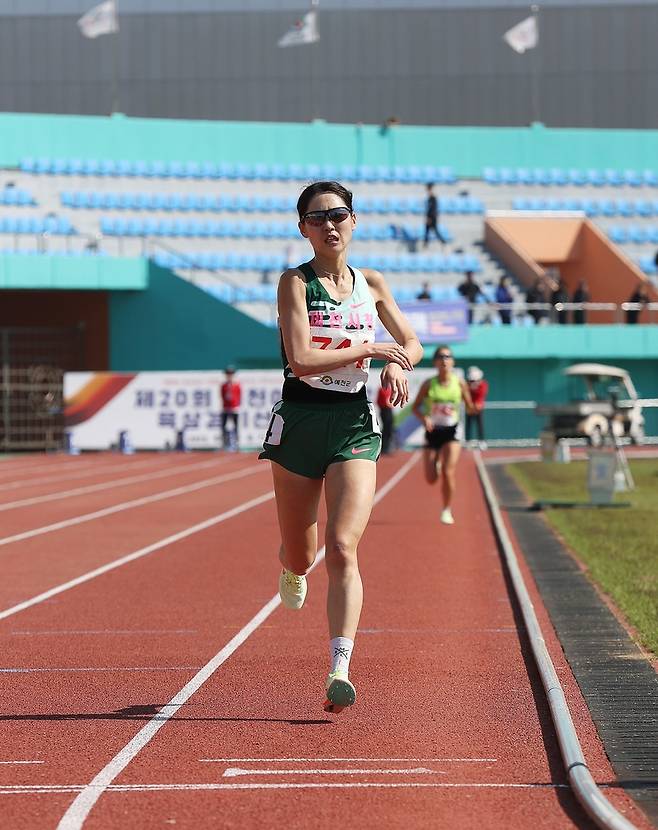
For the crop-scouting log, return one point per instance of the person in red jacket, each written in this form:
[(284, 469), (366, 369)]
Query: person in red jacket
[(231, 398), (478, 388)]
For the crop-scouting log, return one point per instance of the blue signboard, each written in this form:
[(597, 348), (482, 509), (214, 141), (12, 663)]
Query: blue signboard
[(434, 322)]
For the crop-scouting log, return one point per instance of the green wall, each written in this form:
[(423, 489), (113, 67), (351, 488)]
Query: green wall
[(526, 365), (87, 273), (466, 149), (175, 325)]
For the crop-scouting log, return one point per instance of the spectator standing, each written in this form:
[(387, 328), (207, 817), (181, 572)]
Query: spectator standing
[(425, 293), (386, 417), (503, 296), (231, 399), (470, 291), (432, 216), (580, 295), (536, 294), (479, 388), (639, 296), (559, 296)]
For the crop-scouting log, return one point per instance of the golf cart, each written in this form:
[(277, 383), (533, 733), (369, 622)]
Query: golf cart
[(604, 401)]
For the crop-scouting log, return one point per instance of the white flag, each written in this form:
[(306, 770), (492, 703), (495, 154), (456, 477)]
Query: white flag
[(101, 20), (525, 35), (304, 31)]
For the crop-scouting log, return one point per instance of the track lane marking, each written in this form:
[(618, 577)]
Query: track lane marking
[(22, 762), (234, 772), (105, 485), (81, 806), (57, 789), (138, 554), (127, 505), (92, 471), (330, 760)]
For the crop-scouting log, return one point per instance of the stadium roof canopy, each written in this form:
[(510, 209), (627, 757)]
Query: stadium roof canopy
[(20, 8)]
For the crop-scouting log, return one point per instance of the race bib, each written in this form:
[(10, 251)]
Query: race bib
[(443, 415)]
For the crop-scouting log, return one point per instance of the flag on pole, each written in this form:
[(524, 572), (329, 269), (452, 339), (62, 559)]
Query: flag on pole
[(101, 20), (523, 36), (304, 31)]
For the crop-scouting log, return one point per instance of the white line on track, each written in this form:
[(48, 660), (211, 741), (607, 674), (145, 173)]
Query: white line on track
[(36, 789), (234, 772), (22, 762), (109, 631), (131, 557), (90, 470), (78, 811), (343, 760), (107, 485), (49, 669), (127, 505)]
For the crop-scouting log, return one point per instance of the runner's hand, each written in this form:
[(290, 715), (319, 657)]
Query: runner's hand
[(391, 353), (393, 378)]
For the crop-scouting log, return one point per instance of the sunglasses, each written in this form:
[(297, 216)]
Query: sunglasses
[(317, 218), (444, 357)]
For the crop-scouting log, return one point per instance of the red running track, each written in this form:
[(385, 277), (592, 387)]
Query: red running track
[(450, 729)]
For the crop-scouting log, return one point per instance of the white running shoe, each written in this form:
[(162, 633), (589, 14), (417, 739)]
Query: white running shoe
[(447, 517), (340, 692), (292, 589)]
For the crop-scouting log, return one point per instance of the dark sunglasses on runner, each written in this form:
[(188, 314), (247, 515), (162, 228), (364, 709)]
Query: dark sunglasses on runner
[(443, 356), (317, 218)]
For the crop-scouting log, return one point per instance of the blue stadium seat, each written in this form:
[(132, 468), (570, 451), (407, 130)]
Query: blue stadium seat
[(643, 207), (577, 177), (618, 234), (650, 178), (625, 208), (638, 234), (633, 178), (43, 165), (491, 175), (28, 165), (209, 170), (558, 176), (608, 207), (124, 168), (107, 167), (613, 177), (594, 178)]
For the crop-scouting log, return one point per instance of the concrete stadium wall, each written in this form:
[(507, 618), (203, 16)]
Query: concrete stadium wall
[(597, 65)]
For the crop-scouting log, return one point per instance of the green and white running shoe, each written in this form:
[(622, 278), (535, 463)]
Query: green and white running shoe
[(340, 693), (292, 589)]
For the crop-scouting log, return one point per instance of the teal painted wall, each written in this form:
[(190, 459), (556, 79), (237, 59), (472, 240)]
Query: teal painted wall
[(527, 364), (174, 325), (87, 273), (466, 149)]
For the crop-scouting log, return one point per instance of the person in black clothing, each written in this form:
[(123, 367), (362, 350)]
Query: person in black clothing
[(536, 294), (470, 291), (432, 216), (558, 296), (425, 293), (641, 296), (580, 295)]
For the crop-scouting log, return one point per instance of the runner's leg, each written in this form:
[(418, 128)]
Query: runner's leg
[(297, 499)]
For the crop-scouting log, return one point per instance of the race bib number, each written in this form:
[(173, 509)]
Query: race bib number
[(443, 415)]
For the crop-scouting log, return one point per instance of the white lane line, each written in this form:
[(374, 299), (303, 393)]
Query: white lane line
[(234, 772), (48, 669), (105, 485), (78, 811), (105, 631), (36, 789), (353, 760), (128, 505), (22, 762), (131, 557), (92, 471)]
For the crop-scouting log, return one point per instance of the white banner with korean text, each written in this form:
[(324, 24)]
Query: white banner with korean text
[(163, 410)]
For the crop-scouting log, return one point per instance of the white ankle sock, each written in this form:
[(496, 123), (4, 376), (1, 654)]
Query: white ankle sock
[(340, 649)]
